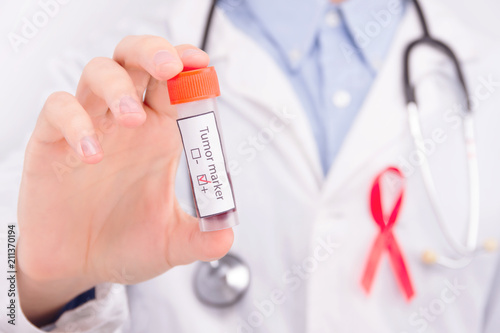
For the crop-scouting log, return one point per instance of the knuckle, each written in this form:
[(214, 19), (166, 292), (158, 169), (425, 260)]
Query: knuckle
[(100, 72), (121, 47), (126, 40), (188, 46), (58, 99), (151, 42), (138, 41), (96, 64)]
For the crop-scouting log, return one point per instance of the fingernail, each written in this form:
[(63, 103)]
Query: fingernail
[(192, 52), (164, 61), (129, 105), (89, 146)]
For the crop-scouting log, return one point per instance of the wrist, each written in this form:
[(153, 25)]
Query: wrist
[(41, 300)]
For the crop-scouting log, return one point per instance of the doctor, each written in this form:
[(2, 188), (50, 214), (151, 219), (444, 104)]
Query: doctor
[(312, 110)]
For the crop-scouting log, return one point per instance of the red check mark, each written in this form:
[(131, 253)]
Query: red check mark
[(202, 179)]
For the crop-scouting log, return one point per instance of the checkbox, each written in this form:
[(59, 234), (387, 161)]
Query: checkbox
[(202, 180), (195, 153)]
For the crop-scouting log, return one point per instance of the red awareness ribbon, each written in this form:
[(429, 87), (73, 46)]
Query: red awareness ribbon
[(386, 239)]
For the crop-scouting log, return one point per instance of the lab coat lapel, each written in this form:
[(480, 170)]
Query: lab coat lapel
[(382, 121)]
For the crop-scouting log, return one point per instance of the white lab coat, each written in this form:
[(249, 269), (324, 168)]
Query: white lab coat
[(292, 216)]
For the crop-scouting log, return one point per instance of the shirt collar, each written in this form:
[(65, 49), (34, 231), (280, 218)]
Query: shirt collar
[(293, 25), (372, 25)]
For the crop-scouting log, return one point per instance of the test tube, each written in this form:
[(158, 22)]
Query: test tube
[(194, 95)]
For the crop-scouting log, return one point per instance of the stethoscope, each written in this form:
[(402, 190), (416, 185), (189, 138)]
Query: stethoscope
[(223, 282), (465, 251)]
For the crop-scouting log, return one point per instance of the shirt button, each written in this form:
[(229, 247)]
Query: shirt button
[(332, 19), (341, 99)]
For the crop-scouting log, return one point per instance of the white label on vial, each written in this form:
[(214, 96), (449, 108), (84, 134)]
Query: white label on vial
[(207, 168)]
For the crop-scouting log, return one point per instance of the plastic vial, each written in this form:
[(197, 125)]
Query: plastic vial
[(194, 95)]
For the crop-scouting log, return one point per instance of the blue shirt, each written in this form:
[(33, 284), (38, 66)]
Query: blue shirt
[(330, 53)]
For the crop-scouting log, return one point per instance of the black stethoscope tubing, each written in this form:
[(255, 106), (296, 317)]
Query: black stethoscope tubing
[(426, 39)]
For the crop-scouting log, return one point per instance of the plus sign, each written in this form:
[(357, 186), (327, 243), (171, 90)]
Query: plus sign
[(204, 189)]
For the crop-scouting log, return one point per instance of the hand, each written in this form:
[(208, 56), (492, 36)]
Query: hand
[(113, 217)]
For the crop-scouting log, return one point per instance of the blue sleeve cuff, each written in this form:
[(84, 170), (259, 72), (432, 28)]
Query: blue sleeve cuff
[(77, 301)]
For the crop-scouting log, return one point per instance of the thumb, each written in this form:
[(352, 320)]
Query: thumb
[(187, 243)]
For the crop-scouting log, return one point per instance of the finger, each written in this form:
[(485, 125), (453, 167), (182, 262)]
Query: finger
[(190, 244), (105, 84), (153, 54), (62, 117), (141, 80), (157, 94), (192, 57)]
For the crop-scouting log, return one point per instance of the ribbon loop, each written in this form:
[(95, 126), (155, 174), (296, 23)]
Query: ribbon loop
[(386, 239)]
